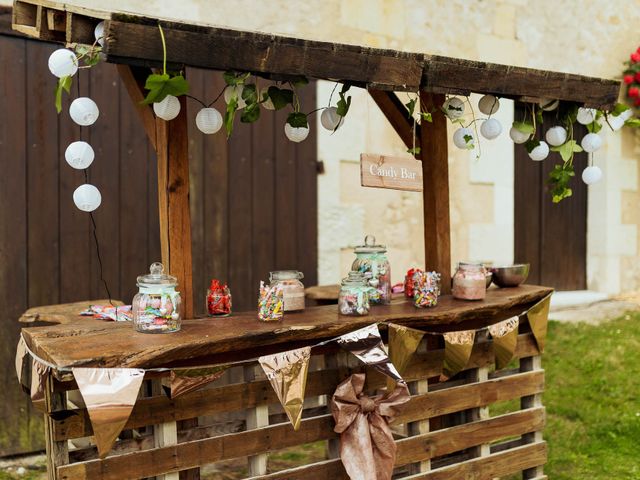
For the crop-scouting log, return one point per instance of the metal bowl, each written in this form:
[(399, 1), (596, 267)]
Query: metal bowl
[(510, 276), (488, 276)]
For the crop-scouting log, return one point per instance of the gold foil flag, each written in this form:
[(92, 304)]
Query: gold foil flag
[(109, 395), (538, 316), (366, 344), (403, 343), (185, 380), (505, 339), (457, 351), (287, 372)]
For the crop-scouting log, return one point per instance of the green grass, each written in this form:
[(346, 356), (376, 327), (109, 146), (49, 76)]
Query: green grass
[(593, 400)]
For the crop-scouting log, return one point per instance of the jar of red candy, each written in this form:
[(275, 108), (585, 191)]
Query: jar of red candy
[(410, 280), (218, 299)]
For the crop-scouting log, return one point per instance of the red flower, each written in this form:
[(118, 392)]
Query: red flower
[(628, 79), (635, 57), (633, 92)]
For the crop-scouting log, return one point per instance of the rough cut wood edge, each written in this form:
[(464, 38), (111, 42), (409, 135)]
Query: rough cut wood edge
[(242, 336), (276, 437), (134, 40)]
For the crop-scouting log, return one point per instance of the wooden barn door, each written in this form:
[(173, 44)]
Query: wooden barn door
[(253, 204), (552, 237)]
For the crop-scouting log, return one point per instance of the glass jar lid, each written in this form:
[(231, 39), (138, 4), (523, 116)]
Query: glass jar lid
[(370, 246), (470, 266), (355, 279), (156, 277), (286, 275)]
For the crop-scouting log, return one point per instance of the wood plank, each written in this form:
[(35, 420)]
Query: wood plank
[(396, 173), (173, 202), (242, 396), (398, 116), (64, 313), (435, 193), (200, 341), (133, 80)]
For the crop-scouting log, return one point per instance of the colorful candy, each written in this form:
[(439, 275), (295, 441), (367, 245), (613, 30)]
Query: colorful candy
[(426, 288), (270, 303), (218, 299)]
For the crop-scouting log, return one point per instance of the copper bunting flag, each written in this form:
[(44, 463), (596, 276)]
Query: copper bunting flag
[(457, 351), (403, 343), (538, 316), (185, 380)]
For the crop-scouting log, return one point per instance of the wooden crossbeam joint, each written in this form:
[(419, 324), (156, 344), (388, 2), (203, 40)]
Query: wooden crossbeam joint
[(398, 117)]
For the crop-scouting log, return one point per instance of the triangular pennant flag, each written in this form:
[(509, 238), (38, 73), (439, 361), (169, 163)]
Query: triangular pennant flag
[(457, 351), (39, 374), (185, 380), (505, 339), (366, 344), (403, 343), (22, 364), (287, 372), (538, 316), (109, 395)]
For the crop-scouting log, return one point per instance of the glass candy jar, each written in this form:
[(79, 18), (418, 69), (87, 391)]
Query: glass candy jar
[(354, 295), (371, 260), (156, 306), (292, 288), (469, 282), (218, 299)]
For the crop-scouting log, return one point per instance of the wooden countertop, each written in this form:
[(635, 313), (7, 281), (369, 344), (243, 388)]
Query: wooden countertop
[(241, 336)]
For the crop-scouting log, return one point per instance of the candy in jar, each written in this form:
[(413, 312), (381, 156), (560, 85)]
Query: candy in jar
[(270, 303), (371, 260), (412, 276), (426, 289), (354, 295), (218, 299), (156, 306), (469, 282), (292, 287)]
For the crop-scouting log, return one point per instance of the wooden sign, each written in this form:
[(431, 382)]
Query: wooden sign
[(397, 173)]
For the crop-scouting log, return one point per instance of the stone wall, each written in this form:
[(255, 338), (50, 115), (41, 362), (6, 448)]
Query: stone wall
[(591, 38)]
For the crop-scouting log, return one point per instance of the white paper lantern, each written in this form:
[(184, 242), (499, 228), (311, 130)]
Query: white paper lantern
[(540, 152), (168, 108), (591, 142), (87, 197), (616, 123), (237, 90), (79, 155), (209, 120), (84, 111), (462, 143), (488, 104), (586, 115), (517, 136), (268, 103), (591, 175), (491, 128), (98, 33), (296, 134), (548, 104), (453, 108), (626, 115), (63, 63), (330, 118), (556, 136)]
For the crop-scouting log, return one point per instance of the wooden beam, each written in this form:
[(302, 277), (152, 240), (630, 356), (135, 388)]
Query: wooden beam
[(397, 115), (173, 201), (133, 80), (435, 193)]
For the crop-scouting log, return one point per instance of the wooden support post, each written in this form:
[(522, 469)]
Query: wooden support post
[(420, 427), (57, 450), (435, 194), (482, 413), (164, 434), (256, 417), (529, 364)]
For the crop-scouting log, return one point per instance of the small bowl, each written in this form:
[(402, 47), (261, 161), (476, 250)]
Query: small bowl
[(510, 276)]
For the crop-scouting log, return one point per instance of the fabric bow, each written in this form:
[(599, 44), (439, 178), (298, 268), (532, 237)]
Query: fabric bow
[(367, 449)]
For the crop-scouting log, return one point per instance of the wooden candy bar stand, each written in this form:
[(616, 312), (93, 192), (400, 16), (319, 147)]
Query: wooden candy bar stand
[(444, 431)]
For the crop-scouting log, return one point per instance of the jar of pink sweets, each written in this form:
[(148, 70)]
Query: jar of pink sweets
[(469, 282), (156, 306)]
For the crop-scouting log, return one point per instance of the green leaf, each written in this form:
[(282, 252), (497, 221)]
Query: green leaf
[(633, 122), (426, 116), (280, 97), (559, 179), (539, 116), (618, 109), (299, 81), (250, 94), (64, 83), (161, 85), (234, 78), (414, 151), (230, 114), (524, 127), (297, 120), (343, 105), (251, 113), (468, 139), (411, 106), (594, 127), (567, 149), (531, 144)]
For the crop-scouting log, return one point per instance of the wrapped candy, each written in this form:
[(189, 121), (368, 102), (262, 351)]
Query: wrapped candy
[(426, 288), (218, 299), (156, 307), (410, 278), (270, 303), (354, 295)]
